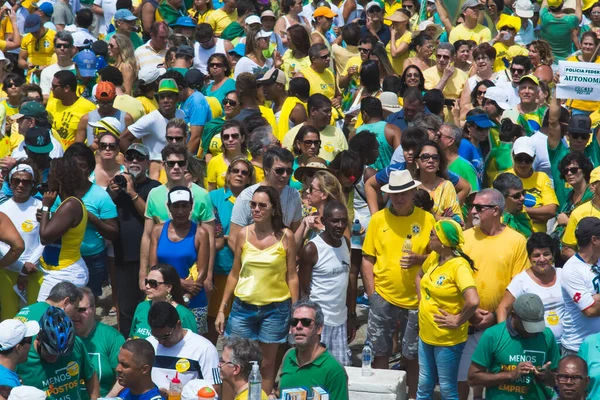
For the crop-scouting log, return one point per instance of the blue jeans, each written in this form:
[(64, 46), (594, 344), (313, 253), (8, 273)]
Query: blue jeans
[(439, 363), (97, 267), (266, 324)]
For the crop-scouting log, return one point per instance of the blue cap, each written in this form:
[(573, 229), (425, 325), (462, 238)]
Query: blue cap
[(185, 22), (33, 22), (125, 14), (85, 61), (100, 63), (239, 49), (481, 120), (47, 8)]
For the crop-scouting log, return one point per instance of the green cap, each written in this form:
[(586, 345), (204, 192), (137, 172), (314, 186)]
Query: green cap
[(530, 309), (31, 109), (168, 85)]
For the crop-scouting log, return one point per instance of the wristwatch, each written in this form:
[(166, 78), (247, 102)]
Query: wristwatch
[(45, 209)]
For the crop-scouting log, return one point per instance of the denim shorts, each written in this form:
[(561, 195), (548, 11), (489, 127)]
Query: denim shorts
[(98, 270), (266, 324)]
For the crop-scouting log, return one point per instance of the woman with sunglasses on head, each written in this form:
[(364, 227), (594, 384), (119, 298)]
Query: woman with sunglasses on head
[(233, 139), (120, 51), (264, 281), (240, 175), (184, 245), (163, 283), (21, 209), (307, 144), (431, 172), (219, 73), (423, 46), (211, 139)]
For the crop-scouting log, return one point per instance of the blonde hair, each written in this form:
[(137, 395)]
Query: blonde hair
[(126, 54), (330, 185)]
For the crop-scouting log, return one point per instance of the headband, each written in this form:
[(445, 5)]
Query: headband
[(21, 168), (449, 232)]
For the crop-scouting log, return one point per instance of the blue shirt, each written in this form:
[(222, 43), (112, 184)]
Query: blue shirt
[(152, 394), (9, 378), (222, 199), (384, 33), (383, 176), (472, 154), (196, 109)]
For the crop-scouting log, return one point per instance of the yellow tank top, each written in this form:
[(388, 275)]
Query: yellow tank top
[(268, 114), (263, 274), (65, 251), (323, 83), (286, 110)]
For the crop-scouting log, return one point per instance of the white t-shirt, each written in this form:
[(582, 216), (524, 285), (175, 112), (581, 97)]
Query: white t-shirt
[(23, 217), (110, 8), (194, 354), (541, 162), (48, 74), (554, 307), (57, 151), (579, 284), (247, 65), (152, 128), (291, 206)]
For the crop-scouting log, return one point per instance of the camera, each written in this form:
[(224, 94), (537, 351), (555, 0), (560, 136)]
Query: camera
[(43, 188), (120, 181)]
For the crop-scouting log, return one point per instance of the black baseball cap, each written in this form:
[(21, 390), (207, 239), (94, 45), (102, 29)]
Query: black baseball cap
[(580, 124), (586, 228), (37, 140)]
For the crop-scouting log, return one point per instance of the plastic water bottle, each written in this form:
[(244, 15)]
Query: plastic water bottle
[(406, 249), (356, 227), (175, 388), (255, 383), (367, 357)]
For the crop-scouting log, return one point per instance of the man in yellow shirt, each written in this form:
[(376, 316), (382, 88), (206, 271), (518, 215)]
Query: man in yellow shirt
[(37, 46), (444, 75), (235, 365), (352, 68), (221, 18), (470, 28), (499, 253), (68, 108), (319, 74), (394, 249)]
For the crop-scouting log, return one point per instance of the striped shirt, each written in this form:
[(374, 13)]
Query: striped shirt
[(145, 55)]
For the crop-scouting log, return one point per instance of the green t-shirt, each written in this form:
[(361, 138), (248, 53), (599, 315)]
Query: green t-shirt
[(33, 312), (103, 345), (325, 371), (499, 351), (140, 329), (465, 170), (60, 380), (156, 205), (234, 30)]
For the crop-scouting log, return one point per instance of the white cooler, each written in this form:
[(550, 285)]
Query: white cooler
[(382, 385)]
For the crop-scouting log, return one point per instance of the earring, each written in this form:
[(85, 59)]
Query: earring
[(169, 297)]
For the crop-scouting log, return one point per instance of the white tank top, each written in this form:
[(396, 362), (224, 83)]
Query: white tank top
[(329, 281), (201, 54)]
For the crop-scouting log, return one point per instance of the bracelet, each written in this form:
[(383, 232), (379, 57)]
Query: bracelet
[(135, 197)]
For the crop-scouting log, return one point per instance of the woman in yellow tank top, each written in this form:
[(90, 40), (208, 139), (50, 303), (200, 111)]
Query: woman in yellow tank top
[(63, 233), (264, 280)]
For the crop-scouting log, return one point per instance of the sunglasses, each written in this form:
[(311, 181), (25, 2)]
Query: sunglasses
[(577, 136), (62, 46), (519, 71), (164, 337), (237, 171), (215, 65), (17, 181), (374, 10), (27, 340), (260, 205), (172, 164), (325, 57), (481, 207), (283, 170), (518, 195), (132, 156), (311, 189), (523, 159), (107, 146), (152, 283), (443, 56), (230, 102), (572, 170), (309, 143), (363, 50), (175, 139), (481, 92), (11, 85), (426, 157), (306, 322), (233, 136)]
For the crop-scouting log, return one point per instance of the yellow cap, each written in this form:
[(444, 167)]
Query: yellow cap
[(595, 175), (509, 21), (554, 3)]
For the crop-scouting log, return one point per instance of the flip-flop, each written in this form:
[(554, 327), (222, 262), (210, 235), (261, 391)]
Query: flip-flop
[(112, 312)]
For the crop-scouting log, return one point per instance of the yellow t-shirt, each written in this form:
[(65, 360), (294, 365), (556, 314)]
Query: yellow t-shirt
[(149, 105), (15, 137), (353, 62), (497, 260), (587, 209), (442, 287), (66, 118), (293, 65), (385, 237), (333, 141), (40, 51), (130, 105), (323, 83), (480, 34), (584, 105), (216, 171), (505, 55), (244, 396), (454, 85), (5, 147), (198, 16), (398, 62), (219, 20), (541, 188), (259, 174), (283, 125)]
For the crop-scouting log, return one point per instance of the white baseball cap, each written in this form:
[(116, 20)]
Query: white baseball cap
[(252, 19), (263, 34), (180, 195), (524, 8), (26, 393), (110, 124), (13, 331), (150, 74), (523, 145), (499, 95)]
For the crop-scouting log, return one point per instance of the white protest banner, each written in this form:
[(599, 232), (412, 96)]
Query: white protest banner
[(578, 80)]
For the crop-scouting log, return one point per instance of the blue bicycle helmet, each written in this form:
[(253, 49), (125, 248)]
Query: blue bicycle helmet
[(57, 331)]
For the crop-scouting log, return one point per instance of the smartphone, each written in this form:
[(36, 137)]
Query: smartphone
[(362, 22), (449, 102)]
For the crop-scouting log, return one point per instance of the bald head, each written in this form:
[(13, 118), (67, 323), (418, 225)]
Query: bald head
[(573, 361)]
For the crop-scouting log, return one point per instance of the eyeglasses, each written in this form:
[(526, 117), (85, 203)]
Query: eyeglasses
[(132, 156), (443, 56), (439, 135), (519, 71), (481, 207), (152, 283), (62, 46), (260, 205), (107, 146), (518, 195), (223, 362), (572, 170), (311, 189), (364, 50), (373, 10), (233, 136), (230, 102), (111, 46), (306, 322), (17, 181), (595, 13), (215, 65), (164, 337), (426, 157), (577, 136), (523, 159), (175, 139), (325, 57), (172, 164), (282, 170), (565, 378), (310, 143), (236, 171)]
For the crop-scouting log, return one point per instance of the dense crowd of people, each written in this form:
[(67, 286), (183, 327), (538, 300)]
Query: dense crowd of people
[(259, 170)]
